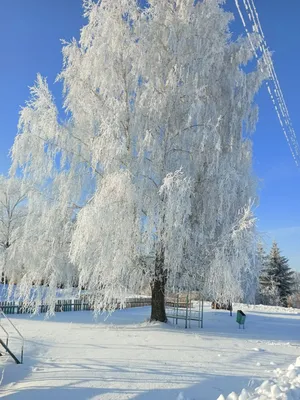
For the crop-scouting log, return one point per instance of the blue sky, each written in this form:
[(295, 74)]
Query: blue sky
[(30, 33)]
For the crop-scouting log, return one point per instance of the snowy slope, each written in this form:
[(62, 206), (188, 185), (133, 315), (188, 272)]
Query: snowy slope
[(71, 357)]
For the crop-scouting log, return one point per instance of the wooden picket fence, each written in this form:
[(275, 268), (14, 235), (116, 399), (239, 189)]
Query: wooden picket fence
[(11, 307)]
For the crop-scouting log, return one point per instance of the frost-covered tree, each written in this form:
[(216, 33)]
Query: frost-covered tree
[(151, 158), (295, 298), (267, 289), (281, 273), (277, 280), (13, 212), (25, 211)]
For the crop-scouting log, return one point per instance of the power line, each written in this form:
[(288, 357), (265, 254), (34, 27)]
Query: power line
[(273, 86)]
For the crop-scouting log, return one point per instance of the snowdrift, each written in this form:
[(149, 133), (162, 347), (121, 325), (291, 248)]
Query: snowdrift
[(284, 386)]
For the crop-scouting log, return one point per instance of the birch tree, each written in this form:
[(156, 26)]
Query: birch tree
[(13, 213), (151, 158)]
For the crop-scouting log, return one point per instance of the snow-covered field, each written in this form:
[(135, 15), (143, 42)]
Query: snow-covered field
[(72, 357)]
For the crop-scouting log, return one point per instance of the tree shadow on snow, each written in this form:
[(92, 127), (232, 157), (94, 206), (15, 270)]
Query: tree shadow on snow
[(259, 327), (60, 393), (129, 316), (210, 388)]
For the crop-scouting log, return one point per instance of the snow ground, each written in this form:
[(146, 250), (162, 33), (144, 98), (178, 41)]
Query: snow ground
[(72, 357), (285, 385)]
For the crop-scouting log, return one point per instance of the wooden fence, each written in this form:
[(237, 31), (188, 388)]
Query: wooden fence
[(11, 307)]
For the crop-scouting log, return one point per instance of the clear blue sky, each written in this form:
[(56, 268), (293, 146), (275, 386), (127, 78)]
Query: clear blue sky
[(30, 33)]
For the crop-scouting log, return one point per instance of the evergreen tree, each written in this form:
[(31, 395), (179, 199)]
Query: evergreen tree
[(277, 278), (262, 260), (268, 288)]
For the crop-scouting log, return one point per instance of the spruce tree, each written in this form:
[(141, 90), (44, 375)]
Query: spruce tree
[(280, 274), (268, 286), (262, 258), (266, 291)]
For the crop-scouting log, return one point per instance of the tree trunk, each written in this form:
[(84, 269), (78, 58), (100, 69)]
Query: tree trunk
[(158, 311)]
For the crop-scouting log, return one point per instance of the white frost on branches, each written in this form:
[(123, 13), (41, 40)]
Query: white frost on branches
[(13, 212), (175, 194), (149, 177), (104, 245)]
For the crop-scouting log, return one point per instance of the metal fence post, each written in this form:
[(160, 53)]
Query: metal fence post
[(202, 314), (177, 305), (187, 310)]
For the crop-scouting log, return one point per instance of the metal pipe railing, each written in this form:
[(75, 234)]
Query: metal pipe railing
[(6, 333), (18, 332)]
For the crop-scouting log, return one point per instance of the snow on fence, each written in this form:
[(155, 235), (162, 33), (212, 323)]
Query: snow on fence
[(14, 307)]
